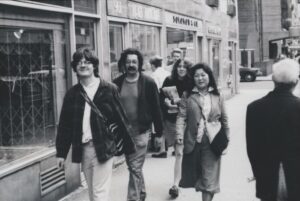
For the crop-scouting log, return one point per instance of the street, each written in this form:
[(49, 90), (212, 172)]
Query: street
[(236, 174)]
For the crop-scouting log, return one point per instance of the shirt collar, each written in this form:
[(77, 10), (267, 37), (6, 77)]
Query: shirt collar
[(195, 90), (93, 84)]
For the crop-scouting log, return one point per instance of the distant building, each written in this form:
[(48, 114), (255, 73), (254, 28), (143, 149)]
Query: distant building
[(267, 29)]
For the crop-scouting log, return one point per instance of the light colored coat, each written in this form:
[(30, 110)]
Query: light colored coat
[(189, 116)]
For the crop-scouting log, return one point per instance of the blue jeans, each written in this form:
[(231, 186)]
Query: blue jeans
[(135, 162)]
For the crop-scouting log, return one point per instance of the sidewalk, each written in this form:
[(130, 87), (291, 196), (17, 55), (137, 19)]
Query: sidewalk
[(235, 173)]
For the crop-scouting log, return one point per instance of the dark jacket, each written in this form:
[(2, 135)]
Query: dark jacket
[(181, 86), (148, 103), (70, 123), (273, 137)]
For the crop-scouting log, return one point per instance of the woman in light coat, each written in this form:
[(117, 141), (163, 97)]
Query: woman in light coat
[(200, 165)]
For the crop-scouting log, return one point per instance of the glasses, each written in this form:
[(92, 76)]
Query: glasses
[(85, 62)]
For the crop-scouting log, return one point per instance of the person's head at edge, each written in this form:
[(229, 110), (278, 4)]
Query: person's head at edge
[(176, 54), (155, 62), (181, 69), (285, 74), (204, 68), (131, 61), (85, 57)]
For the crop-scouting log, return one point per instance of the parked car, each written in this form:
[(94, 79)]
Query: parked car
[(249, 74)]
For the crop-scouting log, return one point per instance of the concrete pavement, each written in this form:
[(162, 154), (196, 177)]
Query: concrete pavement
[(159, 172)]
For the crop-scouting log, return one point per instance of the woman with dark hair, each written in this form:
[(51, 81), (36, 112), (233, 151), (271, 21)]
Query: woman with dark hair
[(181, 81), (201, 105)]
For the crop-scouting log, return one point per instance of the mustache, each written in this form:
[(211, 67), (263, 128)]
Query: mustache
[(131, 68)]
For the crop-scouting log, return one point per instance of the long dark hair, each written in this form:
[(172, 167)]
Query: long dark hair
[(187, 64), (89, 56), (212, 82), (124, 54)]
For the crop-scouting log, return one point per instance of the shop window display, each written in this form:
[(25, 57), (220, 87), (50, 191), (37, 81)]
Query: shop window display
[(29, 100), (116, 48), (88, 6), (85, 33), (183, 39), (146, 39)]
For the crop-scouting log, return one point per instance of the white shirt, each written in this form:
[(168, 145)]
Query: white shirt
[(90, 90), (205, 102), (159, 76)]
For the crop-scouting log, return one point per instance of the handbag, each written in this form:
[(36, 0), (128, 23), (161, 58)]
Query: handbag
[(216, 134), (112, 128)]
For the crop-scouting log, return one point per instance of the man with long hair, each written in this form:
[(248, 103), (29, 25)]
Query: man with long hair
[(140, 99)]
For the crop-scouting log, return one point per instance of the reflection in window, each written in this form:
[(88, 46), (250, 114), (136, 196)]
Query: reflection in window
[(177, 38), (85, 33), (216, 58), (28, 99), (116, 47), (88, 6), (146, 39)]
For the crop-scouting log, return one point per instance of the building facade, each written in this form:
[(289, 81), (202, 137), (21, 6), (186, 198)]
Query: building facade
[(268, 29), (36, 43)]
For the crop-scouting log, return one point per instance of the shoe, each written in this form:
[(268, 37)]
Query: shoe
[(143, 196), (173, 153), (160, 155), (173, 192)]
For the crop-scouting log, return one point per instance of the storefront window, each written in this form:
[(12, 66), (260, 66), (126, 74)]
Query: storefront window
[(88, 6), (228, 69), (66, 3), (116, 47), (32, 85), (177, 38), (85, 33), (146, 39), (216, 59)]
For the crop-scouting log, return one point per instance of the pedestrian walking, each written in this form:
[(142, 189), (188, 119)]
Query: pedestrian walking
[(200, 106), (181, 81), (159, 75), (175, 55), (140, 98), (81, 126), (273, 135)]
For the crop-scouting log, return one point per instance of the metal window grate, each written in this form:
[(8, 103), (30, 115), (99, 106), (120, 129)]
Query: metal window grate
[(51, 179)]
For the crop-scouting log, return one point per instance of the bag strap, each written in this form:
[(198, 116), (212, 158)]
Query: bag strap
[(200, 107), (92, 105)]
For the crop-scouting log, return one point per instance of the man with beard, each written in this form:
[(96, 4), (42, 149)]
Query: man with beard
[(140, 99)]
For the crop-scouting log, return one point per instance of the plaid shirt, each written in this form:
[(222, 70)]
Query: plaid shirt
[(70, 124)]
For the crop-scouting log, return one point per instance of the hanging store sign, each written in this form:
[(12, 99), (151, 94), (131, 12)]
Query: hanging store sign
[(117, 8), (183, 22), (143, 12), (213, 31)]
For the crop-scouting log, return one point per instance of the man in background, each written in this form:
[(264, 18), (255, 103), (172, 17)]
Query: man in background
[(176, 54), (159, 75)]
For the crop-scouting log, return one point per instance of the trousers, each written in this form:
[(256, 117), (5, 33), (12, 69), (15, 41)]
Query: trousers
[(98, 175), (135, 162)]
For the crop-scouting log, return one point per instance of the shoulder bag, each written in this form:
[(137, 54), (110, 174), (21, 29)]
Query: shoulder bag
[(216, 134), (112, 128)]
